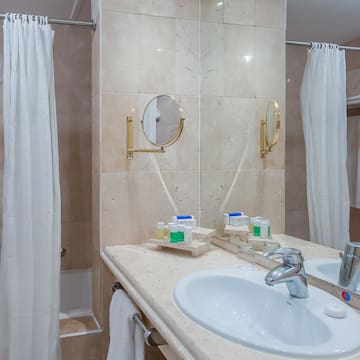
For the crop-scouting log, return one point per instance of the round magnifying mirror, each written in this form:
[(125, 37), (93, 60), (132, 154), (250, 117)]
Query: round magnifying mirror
[(272, 123), (163, 121)]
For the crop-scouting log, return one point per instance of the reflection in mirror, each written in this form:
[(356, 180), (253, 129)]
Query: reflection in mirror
[(270, 128), (162, 122), (272, 123), (304, 210)]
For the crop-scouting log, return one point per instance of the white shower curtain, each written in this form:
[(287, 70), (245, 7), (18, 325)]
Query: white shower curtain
[(30, 246), (323, 108)]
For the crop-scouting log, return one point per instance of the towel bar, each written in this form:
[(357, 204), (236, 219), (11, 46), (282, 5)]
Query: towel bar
[(151, 336)]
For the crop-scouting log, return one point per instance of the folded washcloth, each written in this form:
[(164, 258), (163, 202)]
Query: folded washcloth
[(126, 339)]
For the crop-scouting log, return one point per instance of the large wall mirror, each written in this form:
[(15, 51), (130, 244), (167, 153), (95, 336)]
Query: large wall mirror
[(302, 26)]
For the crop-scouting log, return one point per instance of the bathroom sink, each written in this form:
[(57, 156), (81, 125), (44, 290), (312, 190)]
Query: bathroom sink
[(325, 269), (237, 305)]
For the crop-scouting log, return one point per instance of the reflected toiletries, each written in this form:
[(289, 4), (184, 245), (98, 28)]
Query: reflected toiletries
[(181, 236), (227, 217), (160, 230), (187, 220), (173, 232), (236, 219), (257, 227), (188, 234)]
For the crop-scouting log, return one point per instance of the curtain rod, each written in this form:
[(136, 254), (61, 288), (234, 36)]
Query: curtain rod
[(308, 44), (80, 23)]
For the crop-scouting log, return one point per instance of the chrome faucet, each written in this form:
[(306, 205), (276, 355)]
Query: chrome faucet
[(291, 272), (349, 275)]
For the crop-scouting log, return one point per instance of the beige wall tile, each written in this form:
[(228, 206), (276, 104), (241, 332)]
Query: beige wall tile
[(72, 65), (132, 203), (355, 224), (157, 53), (95, 133), (187, 9), (158, 7), (78, 244), (89, 347), (295, 66), (120, 54), (95, 60), (239, 12), (270, 63), (239, 64), (212, 11), (130, 6), (228, 122), (353, 58), (212, 59), (187, 57), (271, 13), (115, 109), (297, 223)]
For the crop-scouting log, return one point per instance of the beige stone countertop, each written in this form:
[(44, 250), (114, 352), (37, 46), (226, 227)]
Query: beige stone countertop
[(309, 249), (149, 275)]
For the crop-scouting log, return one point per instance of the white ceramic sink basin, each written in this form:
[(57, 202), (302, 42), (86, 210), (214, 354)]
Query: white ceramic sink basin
[(236, 304), (325, 269)]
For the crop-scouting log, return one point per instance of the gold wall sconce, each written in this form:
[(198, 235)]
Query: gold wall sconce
[(162, 125), (269, 128)]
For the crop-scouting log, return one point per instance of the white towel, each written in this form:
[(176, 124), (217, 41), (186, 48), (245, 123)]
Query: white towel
[(126, 339)]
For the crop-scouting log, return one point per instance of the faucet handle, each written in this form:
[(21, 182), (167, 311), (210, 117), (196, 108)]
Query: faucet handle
[(290, 256)]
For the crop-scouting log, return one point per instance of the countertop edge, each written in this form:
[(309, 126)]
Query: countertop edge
[(175, 344)]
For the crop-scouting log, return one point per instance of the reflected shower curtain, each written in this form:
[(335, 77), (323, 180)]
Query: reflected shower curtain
[(323, 108), (30, 246)]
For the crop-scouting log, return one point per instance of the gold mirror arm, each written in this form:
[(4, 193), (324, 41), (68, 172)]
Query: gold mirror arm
[(130, 141), (161, 150), (263, 139)]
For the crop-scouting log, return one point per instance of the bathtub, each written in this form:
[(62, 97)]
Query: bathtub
[(75, 293)]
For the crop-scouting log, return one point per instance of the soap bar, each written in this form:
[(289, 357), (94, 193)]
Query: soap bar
[(335, 311)]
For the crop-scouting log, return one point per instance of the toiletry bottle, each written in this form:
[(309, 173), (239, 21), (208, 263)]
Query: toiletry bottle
[(188, 234), (257, 230), (181, 229), (264, 229), (268, 229), (173, 232), (160, 230), (187, 220), (251, 225)]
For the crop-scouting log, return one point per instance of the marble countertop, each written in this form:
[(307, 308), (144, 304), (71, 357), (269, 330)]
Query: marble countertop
[(149, 275)]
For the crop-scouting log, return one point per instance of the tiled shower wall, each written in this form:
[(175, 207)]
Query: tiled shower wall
[(297, 223), (353, 89), (72, 62)]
